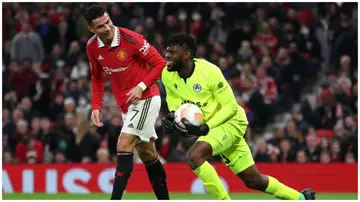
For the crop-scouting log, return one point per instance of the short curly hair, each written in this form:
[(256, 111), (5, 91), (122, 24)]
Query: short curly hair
[(182, 39)]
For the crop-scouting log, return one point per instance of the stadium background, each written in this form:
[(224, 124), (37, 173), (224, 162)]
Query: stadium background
[(292, 66)]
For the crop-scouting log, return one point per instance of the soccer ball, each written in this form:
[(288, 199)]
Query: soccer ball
[(191, 112)]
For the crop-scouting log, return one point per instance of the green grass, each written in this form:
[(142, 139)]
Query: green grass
[(176, 196)]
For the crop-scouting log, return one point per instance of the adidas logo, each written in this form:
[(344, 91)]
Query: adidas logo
[(131, 125), (100, 57)]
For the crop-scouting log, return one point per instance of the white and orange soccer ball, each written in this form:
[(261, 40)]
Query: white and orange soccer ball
[(191, 112)]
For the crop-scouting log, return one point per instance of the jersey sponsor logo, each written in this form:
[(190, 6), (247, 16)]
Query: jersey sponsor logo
[(121, 55), (199, 104), (197, 88), (107, 70), (145, 48), (100, 57)]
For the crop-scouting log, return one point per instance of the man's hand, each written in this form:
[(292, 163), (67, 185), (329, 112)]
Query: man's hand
[(191, 129), (134, 95), (95, 117), (167, 122)]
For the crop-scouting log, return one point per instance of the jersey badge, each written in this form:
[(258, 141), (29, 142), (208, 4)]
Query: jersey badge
[(197, 88), (121, 55)]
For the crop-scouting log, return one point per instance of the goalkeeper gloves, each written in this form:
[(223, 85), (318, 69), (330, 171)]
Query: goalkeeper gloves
[(167, 122), (191, 129)]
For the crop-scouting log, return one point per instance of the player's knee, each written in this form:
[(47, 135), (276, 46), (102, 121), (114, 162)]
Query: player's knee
[(126, 143), (147, 156), (194, 160), (255, 182), (122, 148)]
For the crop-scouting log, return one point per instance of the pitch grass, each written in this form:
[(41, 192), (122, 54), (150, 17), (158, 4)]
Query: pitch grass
[(175, 196)]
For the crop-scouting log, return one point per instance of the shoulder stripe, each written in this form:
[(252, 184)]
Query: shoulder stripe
[(127, 37)]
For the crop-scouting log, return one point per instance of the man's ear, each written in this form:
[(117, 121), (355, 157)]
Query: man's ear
[(187, 54), (90, 29)]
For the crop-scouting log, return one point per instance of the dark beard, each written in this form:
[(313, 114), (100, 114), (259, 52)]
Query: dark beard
[(176, 66)]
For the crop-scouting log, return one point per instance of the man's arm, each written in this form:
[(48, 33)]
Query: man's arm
[(97, 80), (152, 57), (171, 97), (225, 96)]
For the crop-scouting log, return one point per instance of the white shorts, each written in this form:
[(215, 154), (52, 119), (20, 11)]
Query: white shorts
[(140, 119)]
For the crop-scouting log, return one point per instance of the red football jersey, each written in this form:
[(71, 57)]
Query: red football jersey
[(125, 62)]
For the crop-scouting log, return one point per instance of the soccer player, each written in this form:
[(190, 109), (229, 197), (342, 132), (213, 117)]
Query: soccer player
[(191, 80), (123, 56)]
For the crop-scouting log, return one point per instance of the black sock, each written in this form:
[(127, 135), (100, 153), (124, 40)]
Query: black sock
[(157, 177), (124, 168)]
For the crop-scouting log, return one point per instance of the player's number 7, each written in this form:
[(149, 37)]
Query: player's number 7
[(137, 111)]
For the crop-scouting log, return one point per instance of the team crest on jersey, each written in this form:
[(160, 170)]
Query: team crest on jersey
[(197, 88), (121, 55)]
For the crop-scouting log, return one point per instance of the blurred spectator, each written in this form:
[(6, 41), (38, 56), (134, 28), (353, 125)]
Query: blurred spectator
[(325, 157), (265, 40), (69, 106), (244, 53), (31, 157), (289, 36), (84, 106), (48, 32), (60, 158), (29, 148), (86, 145), (286, 153), (228, 71), (271, 70), (255, 101), (350, 158), (57, 107), (238, 35), (23, 78), (72, 56), (350, 126), (27, 44), (301, 157), (56, 58), (266, 85), (261, 154), (292, 19), (309, 45), (8, 158), (335, 151), (324, 144), (102, 156), (331, 111), (313, 149)]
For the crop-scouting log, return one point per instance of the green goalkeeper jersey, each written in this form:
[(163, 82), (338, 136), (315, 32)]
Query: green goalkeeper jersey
[(208, 89)]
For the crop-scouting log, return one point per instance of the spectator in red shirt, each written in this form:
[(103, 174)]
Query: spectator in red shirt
[(29, 144), (22, 79), (266, 86), (265, 39)]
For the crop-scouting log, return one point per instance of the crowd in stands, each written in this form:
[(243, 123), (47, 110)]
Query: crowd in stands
[(270, 53)]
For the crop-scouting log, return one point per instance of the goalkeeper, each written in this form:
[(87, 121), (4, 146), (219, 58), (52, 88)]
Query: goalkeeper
[(191, 80)]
